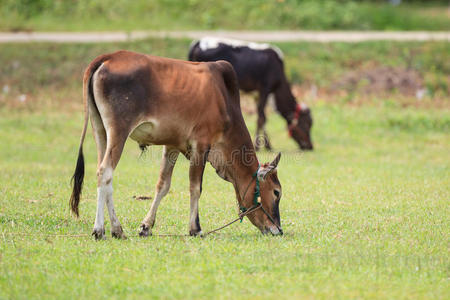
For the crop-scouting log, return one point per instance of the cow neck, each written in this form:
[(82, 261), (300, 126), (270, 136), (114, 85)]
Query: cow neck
[(244, 161), (242, 178), (285, 102)]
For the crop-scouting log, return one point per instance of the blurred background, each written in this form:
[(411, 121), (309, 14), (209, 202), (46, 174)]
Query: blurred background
[(417, 73), (233, 14)]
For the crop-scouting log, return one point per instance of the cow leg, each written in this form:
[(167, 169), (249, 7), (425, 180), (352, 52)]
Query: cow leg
[(114, 147), (266, 140), (262, 139), (169, 158), (197, 166), (100, 140)]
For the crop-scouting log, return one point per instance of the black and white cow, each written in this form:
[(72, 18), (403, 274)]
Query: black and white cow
[(259, 67)]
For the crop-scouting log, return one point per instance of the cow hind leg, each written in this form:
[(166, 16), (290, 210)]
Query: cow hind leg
[(267, 144), (100, 140), (169, 158), (113, 151)]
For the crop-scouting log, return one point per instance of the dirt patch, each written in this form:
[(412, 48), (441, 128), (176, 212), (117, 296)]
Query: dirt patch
[(142, 198), (381, 81)]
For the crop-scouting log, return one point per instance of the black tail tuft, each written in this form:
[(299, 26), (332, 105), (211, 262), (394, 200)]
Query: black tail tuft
[(77, 180)]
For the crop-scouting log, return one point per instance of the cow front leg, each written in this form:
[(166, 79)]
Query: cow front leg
[(169, 158), (197, 166)]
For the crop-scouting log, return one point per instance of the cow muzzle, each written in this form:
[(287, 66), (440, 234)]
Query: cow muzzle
[(273, 230)]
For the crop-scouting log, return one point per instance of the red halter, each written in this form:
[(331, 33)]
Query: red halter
[(294, 122)]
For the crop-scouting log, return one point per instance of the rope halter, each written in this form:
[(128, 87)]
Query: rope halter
[(298, 109)]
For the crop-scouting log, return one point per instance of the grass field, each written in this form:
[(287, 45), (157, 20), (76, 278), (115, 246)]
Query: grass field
[(81, 15), (365, 215)]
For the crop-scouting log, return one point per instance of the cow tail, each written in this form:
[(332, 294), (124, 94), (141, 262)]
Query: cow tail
[(78, 176)]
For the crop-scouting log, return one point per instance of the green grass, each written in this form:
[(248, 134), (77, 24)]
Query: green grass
[(233, 14), (365, 215)]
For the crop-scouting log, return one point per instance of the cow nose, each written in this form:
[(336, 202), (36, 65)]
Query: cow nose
[(275, 231), (307, 147)]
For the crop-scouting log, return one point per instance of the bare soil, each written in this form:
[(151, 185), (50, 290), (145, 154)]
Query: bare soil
[(382, 80)]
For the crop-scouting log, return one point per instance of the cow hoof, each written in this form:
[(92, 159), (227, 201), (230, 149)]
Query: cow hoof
[(145, 231), (196, 232), (99, 233), (117, 233)]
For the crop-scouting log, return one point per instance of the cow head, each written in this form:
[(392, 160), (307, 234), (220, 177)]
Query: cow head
[(270, 191), (300, 127)]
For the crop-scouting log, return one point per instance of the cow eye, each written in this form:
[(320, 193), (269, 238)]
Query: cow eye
[(276, 193)]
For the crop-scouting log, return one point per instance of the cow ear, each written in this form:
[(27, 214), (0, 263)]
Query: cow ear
[(266, 169), (275, 162)]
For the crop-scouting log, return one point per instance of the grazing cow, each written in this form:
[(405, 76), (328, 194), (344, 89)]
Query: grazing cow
[(259, 67), (189, 107)]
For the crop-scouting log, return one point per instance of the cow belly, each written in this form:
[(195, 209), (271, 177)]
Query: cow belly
[(153, 133), (145, 133)]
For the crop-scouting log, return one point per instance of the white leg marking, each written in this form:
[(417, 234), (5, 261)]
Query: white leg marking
[(99, 224), (110, 204), (104, 191)]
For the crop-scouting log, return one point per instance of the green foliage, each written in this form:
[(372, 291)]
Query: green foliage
[(26, 69), (233, 14)]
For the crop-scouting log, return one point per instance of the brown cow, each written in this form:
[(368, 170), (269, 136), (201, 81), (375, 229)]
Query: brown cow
[(188, 107)]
